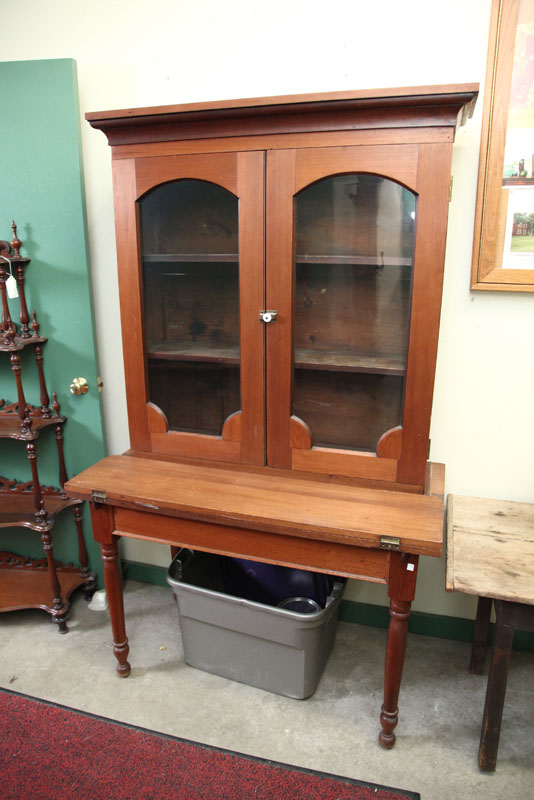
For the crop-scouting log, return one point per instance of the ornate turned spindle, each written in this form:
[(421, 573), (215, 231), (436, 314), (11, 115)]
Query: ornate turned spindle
[(59, 607), (82, 550), (59, 439), (16, 244), (45, 400), (20, 265), (23, 410), (39, 511), (55, 405), (7, 322), (24, 315), (34, 325)]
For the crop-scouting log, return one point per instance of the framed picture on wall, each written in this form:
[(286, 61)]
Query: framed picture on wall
[(503, 249)]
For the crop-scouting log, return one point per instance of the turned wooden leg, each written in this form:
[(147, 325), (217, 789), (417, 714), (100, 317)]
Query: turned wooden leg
[(395, 651), (103, 526), (480, 639), (401, 581), (112, 580)]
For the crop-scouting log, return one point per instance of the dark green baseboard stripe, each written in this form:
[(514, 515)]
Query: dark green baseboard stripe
[(426, 624), (146, 573), (438, 625)]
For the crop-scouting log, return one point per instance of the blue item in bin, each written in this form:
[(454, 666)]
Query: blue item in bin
[(271, 583)]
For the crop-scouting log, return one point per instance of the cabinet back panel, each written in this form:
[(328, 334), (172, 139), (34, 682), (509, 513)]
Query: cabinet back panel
[(355, 214), (195, 397), (192, 302), (348, 410), (364, 308), (189, 216)]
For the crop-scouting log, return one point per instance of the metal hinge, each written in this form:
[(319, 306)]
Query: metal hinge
[(98, 496), (390, 542), (450, 188)]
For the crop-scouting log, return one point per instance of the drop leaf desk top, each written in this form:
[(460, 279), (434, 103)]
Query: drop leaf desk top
[(280, 270)]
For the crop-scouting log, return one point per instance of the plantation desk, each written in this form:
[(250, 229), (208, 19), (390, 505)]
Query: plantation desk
[(280, 265), (317, 524)]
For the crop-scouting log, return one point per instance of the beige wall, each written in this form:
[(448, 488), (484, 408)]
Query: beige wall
[(133, 53)]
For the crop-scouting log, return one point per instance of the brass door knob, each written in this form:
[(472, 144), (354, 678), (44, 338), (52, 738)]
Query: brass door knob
[(79, 386)]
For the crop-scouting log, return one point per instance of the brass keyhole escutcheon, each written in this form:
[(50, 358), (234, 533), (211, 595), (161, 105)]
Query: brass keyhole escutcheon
[(79, 386)]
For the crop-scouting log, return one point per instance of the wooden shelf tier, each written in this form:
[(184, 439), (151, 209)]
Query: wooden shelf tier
[(25, 582), (301, 258), (19, 342), (340, 361), (17, 506), (10, 425)]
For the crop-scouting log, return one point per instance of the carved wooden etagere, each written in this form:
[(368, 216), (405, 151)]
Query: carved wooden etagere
[(26, 582)]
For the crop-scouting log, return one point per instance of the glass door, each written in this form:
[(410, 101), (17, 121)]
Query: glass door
[(190, 276), (200, 261), (349, 247), (353, 271)]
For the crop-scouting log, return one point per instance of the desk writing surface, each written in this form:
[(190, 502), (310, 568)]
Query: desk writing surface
[(490, 548), (347, 514)]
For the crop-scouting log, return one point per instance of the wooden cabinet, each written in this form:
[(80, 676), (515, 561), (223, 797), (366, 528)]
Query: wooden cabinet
[(326, 212)]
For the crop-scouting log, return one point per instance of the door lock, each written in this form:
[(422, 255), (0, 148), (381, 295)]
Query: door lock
[(268, 316)]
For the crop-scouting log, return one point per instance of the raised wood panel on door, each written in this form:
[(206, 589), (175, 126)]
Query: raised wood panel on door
[(242, 174), (423, 169)]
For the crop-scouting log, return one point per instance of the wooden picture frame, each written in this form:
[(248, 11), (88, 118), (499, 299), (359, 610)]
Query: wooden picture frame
[(502, 261)]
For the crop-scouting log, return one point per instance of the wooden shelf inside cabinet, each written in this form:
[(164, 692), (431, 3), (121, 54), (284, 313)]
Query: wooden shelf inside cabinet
[(25, 583), (179, 258), (193, 351), (353, 260), (348, 361), (340, 361), (303, 258)]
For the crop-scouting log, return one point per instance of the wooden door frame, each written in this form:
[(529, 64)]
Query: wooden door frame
[(424, 169), (242, 439)]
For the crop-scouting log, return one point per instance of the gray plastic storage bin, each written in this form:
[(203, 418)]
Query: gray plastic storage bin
[(264, 646)]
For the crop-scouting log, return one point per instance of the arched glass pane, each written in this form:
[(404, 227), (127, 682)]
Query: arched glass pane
[(353, 272), (189, 243)]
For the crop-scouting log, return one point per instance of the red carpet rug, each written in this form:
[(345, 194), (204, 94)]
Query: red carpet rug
[(50, 752)]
